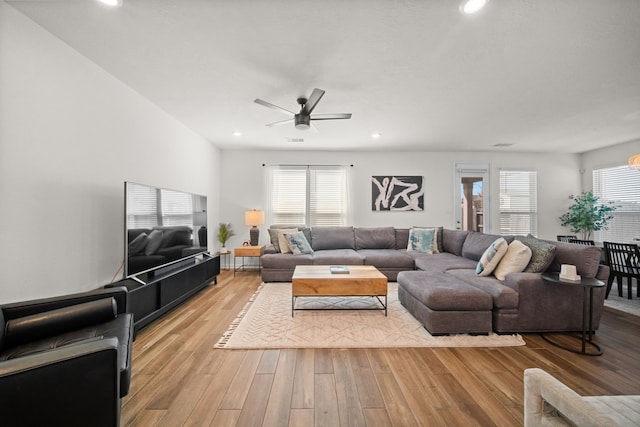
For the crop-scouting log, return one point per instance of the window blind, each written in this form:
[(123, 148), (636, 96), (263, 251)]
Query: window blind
[(518, 202), (311, 195), (621, 186), (149, 207)]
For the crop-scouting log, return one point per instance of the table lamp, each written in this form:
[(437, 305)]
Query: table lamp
[(254, 218)]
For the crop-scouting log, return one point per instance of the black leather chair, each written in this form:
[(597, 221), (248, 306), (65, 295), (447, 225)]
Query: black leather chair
[(65, 360)]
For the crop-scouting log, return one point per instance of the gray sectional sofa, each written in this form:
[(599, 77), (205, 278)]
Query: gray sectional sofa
[(443, 291)]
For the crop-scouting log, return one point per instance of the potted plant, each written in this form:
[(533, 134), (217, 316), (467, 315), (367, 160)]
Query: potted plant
[(586, 215), (225, 232)]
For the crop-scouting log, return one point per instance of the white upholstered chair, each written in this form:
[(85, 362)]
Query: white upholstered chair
[(548, 402)]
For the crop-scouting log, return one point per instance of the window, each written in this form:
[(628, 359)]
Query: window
[(311, 195), (621, 186), (518, 202)]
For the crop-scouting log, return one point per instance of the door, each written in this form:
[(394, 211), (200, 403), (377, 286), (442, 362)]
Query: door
[(471, 201)]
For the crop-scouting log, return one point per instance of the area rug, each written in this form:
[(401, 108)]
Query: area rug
[(266, 323), (622, 303)]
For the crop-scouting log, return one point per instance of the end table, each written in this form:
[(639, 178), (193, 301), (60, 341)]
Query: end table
[(587, 311), (247, 252)]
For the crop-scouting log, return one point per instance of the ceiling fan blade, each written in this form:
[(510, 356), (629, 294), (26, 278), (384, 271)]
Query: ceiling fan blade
[(275, 107), (331, 116), (283, 122), (313, 100)]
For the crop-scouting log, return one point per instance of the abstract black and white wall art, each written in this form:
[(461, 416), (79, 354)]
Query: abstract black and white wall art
[(397, 193)]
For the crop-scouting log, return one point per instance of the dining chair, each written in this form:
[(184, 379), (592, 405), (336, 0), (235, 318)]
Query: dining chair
[(582, 242), (566, 238), (624, 261)]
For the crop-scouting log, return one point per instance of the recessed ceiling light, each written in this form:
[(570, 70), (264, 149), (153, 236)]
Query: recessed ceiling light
[(472, 6), (376, 135), (237, 133), (112, 3)]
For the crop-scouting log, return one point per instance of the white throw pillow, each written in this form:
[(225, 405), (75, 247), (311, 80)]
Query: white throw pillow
[(491, 257), (282, 240), (514, 261)]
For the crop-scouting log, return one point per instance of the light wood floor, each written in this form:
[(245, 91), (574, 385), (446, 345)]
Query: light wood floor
[(179, 379)]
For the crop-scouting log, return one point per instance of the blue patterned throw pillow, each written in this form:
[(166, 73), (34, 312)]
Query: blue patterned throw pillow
[(491, 257), (298, 243), (421, 240)]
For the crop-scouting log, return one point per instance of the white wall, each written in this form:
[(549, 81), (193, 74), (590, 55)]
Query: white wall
[(244, 184), (70, 135), (606, 158)]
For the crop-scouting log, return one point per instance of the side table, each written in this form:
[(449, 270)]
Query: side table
[(247, 252), (588, 286), (225, 261)]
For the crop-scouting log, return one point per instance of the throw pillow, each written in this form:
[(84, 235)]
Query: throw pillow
[(273, 235), (491, 257), (542, 254), (421, 240), (298, 243), (438, 247), (282, 240), (155, 240), (138, 244), (514, 261)]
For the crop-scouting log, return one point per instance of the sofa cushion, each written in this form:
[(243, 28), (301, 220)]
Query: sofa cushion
[(387, 258), (421, 240), (503, 296), (542, 253), (440, 291), (375, 238), (298, 243), (402, 238), (337, 256), (514, 261), (441, 262), (452, 241), (332, 238), (491, 257), (285, 261), (476, 243), (585, 258)]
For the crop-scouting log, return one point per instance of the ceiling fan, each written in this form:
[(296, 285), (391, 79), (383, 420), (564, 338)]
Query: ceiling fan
[(303, 119)]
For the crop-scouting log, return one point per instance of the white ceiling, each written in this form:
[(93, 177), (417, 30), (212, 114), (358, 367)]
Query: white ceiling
[(543, 75)]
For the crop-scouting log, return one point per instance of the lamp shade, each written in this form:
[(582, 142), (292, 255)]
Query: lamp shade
[(254, 217), (634, 162)]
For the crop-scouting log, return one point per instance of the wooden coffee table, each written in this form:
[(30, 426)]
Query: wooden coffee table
[(317, 280)]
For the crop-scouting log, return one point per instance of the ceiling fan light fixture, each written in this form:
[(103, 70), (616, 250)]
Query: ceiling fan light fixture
[(303, 122), (111, 3), (469, 7)]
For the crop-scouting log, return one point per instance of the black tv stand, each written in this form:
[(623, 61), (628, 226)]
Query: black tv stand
[(154, 292)]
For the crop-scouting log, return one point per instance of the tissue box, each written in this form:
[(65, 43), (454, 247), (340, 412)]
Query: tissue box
[(568, 272)]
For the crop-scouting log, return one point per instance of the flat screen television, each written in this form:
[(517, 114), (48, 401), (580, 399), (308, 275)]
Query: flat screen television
[(162, 227)]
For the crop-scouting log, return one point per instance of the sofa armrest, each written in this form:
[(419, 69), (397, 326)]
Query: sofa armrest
[(28, 308), (72, 385), (548, 402)]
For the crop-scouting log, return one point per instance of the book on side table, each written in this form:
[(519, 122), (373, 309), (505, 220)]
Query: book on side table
[(339, 269)]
